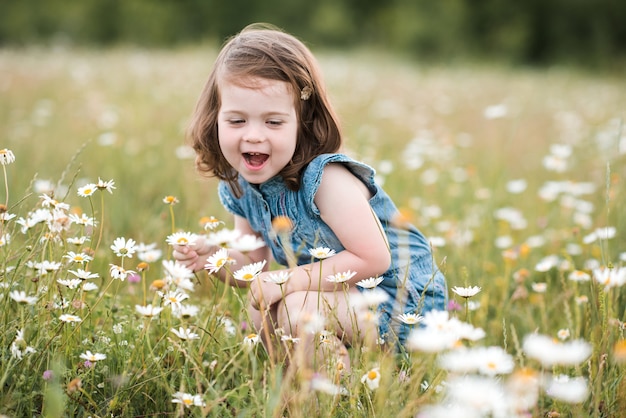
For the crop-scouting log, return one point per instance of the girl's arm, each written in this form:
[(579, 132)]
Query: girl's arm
[(343, 201)]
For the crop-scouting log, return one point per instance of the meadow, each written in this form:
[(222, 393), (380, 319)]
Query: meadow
[(515, 175)]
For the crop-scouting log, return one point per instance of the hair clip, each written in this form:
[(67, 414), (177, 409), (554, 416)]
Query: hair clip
[(305, 93)]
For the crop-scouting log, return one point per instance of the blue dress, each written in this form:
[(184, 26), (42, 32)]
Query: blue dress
[(413, 281)]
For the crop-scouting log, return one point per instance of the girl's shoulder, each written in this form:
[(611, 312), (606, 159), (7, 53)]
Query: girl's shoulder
[(312, 175)]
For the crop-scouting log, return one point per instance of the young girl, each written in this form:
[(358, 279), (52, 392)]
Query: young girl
[(265, 127)]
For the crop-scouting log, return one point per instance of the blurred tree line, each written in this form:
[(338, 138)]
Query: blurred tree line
[(589, 32)]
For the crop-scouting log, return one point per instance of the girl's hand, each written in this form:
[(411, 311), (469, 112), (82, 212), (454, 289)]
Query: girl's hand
[(264, 294), (194, 257)]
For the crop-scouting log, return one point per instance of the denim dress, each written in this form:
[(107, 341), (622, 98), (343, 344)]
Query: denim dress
[(413, 281)]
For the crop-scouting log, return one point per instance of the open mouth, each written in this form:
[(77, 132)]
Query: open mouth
[(255, 159)]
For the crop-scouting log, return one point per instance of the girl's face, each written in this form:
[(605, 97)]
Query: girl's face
[(257, 127)]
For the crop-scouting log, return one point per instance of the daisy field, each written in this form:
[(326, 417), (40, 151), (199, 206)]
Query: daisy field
[(515, 175)]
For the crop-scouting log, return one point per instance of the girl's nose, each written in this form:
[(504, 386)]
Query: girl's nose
[(253, 134)]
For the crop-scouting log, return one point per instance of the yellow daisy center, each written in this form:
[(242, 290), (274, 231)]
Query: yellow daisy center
[(372, 374)]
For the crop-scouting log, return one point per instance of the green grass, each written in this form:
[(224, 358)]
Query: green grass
[(73, 116)]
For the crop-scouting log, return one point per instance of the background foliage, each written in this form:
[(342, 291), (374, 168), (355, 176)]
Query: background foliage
[(584, 32)]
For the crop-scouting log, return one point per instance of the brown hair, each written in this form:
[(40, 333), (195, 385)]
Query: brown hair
[(262, 51)]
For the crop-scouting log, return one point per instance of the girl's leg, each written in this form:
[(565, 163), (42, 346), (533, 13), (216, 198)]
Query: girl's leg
[(300, 312), (264, 323)]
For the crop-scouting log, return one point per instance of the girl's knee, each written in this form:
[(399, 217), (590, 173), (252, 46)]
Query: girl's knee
[(255, 317), (296, 310)]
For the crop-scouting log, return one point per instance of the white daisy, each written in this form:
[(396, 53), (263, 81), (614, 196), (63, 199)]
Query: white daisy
[(411, 318), (579, 276), (223, 237), (568, 389), (170, 200), (44, 267), (19, 348), (466, 292), (82, 219), (93, 357), (251, 340), (6, 216), (119, 273), (372, 378), (148, 310), (78, 241), (83, 274), (373, 297), (150, 256), (70, 283), (249, 272), (123, 247), (49, 202), (610, 277), (108, 185), (370, 283), (176, 270), (182, 238), (89, 286), (322, 384), (321, 252), (210, 223), (550, 352), (218, 260), (185, 311), (278, 277), (80, 258), (6, 156), (70, 318), (87, 190), (289, 339), (185, 334), (188, 400), (20, 297), (173, 298), (341, 277), (247, 243)]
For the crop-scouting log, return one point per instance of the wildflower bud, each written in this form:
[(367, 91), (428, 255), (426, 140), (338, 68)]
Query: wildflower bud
[(521, 275), (402, 219), (158, 284), (619, 351), (143, 266), (74, 385), (281, 224), (78, 304)]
